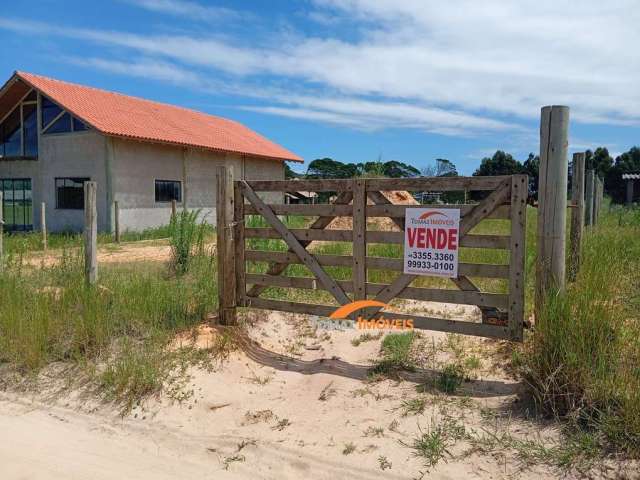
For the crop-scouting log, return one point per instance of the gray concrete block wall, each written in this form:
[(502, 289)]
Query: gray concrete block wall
[(129, 168)]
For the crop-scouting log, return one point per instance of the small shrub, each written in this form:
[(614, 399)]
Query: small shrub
[(184, 235), (396, 354), (450, 378), (349, 448)]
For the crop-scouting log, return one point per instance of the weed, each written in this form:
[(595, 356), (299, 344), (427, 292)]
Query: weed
[(450, 378), (396, 354), (327, 392), (374, 432), (349, 448), (233, 458), (366, 337), (282, 424), (185, 235), (413, 406), (384, 463)]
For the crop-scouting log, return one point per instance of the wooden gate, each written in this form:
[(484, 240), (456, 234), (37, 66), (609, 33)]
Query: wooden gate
[(247, 274)]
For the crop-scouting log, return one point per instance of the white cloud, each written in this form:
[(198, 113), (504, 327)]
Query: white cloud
[(462, 67), (189, 9)]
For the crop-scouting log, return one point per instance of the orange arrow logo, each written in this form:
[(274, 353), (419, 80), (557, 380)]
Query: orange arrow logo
[(346, 310)]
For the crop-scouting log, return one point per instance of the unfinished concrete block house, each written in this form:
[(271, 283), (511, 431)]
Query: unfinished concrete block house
[(55, 135)]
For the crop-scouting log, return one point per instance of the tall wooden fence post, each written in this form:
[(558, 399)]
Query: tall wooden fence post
[(1, 231), (596, 198), (43, 224), (552, 200), (589, 194), (90, 233), (116, 215), (577, 214), (629, 200), (225, 246), (359, 239), (174, 208)]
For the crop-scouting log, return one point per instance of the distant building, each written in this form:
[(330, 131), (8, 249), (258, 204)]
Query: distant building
[(55, 135), (631, 179)]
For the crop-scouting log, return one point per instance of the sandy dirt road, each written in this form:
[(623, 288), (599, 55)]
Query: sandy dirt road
[(297, 405)]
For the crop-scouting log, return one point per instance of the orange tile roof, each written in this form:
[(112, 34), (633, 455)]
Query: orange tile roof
[(120, 115)]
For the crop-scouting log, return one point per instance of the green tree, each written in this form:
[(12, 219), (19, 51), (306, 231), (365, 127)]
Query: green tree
[(531, 167), (599, 160), (289, 173), (501, 163), (329, 168)]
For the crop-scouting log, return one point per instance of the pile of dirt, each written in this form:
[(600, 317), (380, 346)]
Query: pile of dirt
[(384, 224)]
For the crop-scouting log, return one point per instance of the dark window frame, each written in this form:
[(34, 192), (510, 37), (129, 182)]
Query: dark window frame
[(27, 211), (164, 195), (70, 203)]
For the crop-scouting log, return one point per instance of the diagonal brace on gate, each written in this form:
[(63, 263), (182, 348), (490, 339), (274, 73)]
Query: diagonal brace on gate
[(481, 211), (321, 223), (307, 259)]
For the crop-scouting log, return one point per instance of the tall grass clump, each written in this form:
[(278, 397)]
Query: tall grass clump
[(583, 360), (185, 234), (118, 333)]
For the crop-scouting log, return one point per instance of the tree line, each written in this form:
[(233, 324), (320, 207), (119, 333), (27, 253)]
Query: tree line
[(500, 163)]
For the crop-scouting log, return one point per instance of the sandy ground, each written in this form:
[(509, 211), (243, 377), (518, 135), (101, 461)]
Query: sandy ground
[(285, 406), (291, 404)]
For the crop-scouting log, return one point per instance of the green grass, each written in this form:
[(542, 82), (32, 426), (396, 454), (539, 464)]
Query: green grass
[(116, 332), (22, 243), (395, 354), (582, 360)]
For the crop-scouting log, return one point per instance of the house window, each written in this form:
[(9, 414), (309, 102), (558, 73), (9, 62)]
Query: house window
[(19, 130), (70, 193), (10, 135), (57, 120), (17, 204), (168, 190)]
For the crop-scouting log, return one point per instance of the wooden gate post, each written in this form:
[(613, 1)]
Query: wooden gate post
[(225, 246), (116, 215), (588, 198), (359, 239), (43, 224), (90, 233), (577, 214), (552, 201)]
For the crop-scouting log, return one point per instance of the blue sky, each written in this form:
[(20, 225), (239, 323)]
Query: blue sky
[(355, 80)]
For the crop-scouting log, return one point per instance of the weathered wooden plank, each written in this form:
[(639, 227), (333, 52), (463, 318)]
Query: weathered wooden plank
[(43, 225), (436, 183), (310, 262), (225, 247), (577, 214), (90, 233), (307, 235), (318, 224), (485, 207), (324, 185), (387, 292), (379, 199), (307, 283), (305, 209), (239, 243), (501, 212), (293, 307), (519, 192), (589, 194), (501, 242), (454, 326), (467, 269), (464, 283), (116, 216), (552, 201), (289, 258), (359, 271)]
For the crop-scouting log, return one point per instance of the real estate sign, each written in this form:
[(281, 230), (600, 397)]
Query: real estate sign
[(431, 241)]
